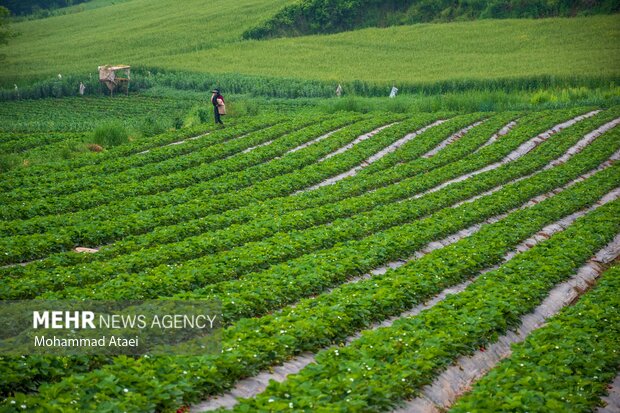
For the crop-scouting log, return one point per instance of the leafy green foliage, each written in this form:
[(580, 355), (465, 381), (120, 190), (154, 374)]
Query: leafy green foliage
[(252, 344), (238, 236), (4, 32), (564, 366), (21, 7), (110, 134), (390, 364), (330, 16)]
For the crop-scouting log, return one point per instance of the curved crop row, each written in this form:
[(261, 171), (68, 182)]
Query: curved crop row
[(127, 149), (16, 375), (281, 177), (312, 324), (450, 379), (254, 212), (389, 364), (134, 163), (178, 172), (165, 280), (255, 256), (342, 190), (258, 228), (139, 152), (564, 366)]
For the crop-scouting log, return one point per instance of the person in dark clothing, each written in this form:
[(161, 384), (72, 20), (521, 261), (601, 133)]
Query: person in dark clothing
[(219, 107)]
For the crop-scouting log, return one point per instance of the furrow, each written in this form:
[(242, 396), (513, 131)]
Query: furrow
[(612, 400), (458, 135), (502, 132), (528, 147), (257, 146), (193, 138), (160, 179), (312, 142), (391, 148), (252, 386), (355, 142), (213, 376), (409, 354), (614, 158), (458, 378), (278, 254)]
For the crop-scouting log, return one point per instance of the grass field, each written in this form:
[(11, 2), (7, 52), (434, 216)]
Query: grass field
[(310, 227), (132, 32), (428, 53), (205, 38)]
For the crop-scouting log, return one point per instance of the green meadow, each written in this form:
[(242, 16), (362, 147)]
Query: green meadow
[(486, 49), (133, 32), (205, 37)]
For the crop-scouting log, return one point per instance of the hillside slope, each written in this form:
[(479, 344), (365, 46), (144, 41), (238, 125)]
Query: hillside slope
[(129, 33), (489, 49), (332, 16), (205, 37)]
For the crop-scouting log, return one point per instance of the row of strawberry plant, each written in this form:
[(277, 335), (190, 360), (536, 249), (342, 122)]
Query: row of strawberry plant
[(195, 227), (178, 172), (166, 279), (233, 181), (246, 297), (323, 236), (247, 196), (526, 221), (564, 366), (186, 249), (37, 140), (66, 180), (300, 201), (20, 364), (85, 165), (165, 159), (237, 234), (277, 248), (29, 175), (280, 184), (254, 256), (390, 364), (530, 126), (256, 343)]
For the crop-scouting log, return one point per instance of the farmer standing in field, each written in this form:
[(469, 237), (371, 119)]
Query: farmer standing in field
[(219, 107)]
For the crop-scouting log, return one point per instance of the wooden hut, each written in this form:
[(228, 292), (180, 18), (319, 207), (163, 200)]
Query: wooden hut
[(109, 75)]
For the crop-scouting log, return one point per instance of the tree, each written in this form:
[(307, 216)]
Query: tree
[(4, 23)]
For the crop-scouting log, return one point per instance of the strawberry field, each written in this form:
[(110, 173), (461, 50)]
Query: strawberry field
[(375, 261)]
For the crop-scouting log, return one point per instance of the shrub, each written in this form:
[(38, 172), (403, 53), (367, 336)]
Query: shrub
[(110, 134)]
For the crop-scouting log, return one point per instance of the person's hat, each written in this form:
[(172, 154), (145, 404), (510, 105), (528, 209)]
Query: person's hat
[(216, 91)]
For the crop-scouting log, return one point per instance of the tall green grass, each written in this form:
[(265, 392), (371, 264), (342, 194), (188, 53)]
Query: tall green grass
[(204, 37), (131, 32), (429, 53)]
